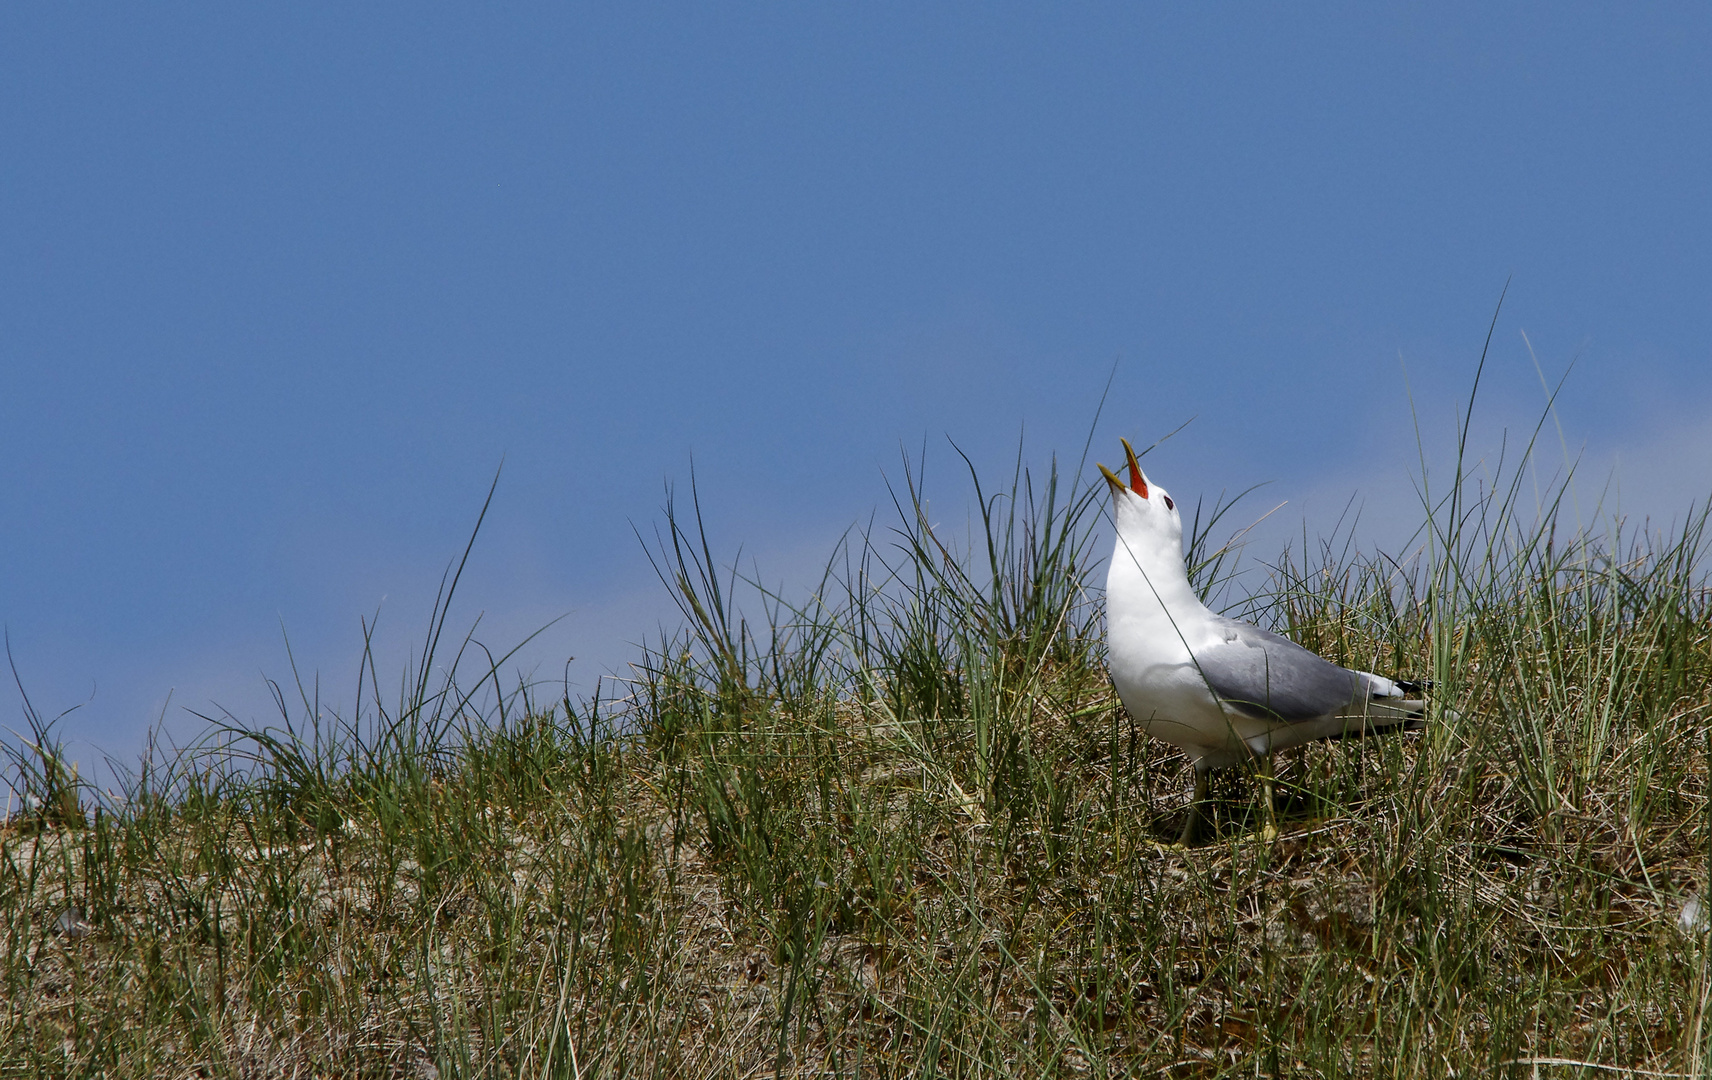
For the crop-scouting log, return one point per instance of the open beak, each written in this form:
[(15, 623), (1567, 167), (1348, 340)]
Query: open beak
[(1137, 481)]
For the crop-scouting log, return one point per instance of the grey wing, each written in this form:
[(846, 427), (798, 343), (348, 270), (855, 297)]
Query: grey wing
[(1273, 678)]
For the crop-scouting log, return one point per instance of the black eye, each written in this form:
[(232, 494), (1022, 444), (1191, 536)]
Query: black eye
[(1169, 505)]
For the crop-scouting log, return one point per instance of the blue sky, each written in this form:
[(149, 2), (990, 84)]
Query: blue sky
[(280, 286)]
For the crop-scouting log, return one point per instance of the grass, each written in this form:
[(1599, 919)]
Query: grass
[(903, 828)]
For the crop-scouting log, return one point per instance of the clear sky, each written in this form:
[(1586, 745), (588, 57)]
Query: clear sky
[(280, 286)]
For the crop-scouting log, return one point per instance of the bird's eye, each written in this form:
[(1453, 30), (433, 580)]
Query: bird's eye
[(1169, 505)]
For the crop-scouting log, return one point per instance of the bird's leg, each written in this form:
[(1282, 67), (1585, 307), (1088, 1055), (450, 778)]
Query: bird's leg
[(1192, 827), (1269, 827)]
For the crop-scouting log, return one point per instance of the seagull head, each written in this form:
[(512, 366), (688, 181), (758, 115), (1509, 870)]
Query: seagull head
[(1144, 509)]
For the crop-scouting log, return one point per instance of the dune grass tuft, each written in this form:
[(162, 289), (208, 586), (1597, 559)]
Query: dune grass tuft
[(900, 826)]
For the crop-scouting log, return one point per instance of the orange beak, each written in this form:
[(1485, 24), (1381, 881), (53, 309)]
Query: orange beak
[(1137, 481)]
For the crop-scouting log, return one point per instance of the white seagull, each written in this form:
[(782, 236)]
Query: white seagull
[(1222, 690)]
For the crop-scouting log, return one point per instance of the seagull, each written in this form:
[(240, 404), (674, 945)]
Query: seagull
[(1223, 691)]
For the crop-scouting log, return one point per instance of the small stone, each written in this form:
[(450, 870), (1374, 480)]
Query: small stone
[(72, 924), (1695, 918)]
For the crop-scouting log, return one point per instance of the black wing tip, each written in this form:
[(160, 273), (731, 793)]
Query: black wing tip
[(1414, 686)]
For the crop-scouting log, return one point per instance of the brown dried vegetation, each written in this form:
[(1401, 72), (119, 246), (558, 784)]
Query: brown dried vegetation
[(905, 830)]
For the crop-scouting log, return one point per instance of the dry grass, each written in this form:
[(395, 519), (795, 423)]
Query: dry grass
[(906, 830)]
